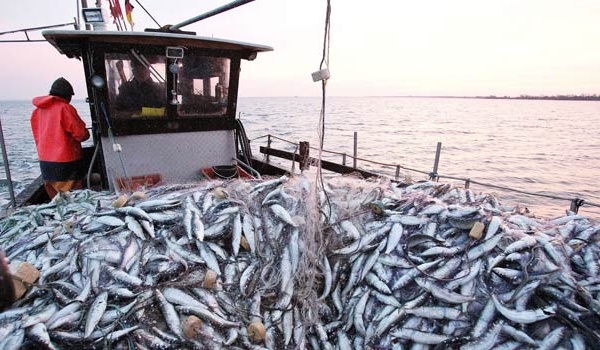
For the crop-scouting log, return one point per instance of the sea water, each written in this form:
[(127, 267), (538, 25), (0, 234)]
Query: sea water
[(535, 146)]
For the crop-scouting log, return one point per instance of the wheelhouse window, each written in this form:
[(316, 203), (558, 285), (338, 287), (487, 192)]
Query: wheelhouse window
[(203, 86), (145, 86), (136, 85)]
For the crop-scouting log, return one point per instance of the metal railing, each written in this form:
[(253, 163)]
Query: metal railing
[(575, 203)]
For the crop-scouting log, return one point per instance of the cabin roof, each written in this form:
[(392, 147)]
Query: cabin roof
[(69, 42)]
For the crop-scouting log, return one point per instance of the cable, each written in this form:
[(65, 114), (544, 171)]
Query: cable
[(327, 35), (144, 61), (118, 149), (324, 59), (148, 13)]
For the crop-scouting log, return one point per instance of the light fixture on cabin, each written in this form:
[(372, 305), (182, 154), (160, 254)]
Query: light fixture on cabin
[(174, 52), (92, 15), (97, 82)]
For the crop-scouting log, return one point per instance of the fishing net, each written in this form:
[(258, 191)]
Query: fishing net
[(281, 262)]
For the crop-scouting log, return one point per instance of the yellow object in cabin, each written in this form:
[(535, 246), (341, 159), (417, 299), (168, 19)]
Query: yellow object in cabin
[(151, 112)]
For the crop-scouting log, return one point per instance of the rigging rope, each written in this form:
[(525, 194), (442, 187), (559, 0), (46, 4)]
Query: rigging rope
[(116, 147), (324, 61), (148, 13), (313, 236)]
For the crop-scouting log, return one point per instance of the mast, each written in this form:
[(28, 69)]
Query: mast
[(83, 5)]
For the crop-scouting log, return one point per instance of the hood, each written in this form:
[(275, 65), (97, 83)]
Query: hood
[(45, 101)]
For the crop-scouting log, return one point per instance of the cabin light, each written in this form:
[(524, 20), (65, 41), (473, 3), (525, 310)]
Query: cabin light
[(174, 52), (97, 82), (92, 15), (252, 56)]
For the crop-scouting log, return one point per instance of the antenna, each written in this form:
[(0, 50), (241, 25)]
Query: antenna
[(208, 14), (27, 30)]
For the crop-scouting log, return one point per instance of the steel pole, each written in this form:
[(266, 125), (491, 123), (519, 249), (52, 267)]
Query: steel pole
[(84, 5), (355, 149), (438, 150), (11, 190)]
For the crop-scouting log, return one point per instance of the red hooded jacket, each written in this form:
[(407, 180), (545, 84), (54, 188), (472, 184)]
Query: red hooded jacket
[(57, 129)]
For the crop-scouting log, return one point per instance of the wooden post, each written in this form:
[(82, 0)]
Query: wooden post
[(344, 159), (397, 172), (434, 173), (355, 149), (575, 204), (304, 155)]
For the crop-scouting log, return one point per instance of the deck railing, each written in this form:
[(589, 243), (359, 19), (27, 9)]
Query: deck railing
[(575, 203)]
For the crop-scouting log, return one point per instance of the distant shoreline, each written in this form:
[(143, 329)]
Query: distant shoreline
[(526, 97), (490, 97)]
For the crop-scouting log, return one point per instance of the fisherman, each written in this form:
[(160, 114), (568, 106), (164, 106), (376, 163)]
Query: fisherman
[(141, 90), (58, 132)]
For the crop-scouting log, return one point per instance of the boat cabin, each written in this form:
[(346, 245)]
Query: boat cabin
[(162, 104)]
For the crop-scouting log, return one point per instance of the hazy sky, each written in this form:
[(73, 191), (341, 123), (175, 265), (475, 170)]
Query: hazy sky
[(380, 47)]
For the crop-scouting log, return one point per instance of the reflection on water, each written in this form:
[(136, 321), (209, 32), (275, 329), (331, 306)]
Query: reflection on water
[(536, 146)]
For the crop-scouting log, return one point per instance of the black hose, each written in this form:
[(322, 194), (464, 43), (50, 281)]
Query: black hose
[(244, 143)]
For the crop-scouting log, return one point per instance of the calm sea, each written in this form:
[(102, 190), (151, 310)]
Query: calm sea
[(545, 147)]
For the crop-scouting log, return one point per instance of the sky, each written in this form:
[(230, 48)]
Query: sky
[(376, 48)]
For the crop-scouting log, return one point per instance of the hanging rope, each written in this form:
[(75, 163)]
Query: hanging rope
[(324, 62)]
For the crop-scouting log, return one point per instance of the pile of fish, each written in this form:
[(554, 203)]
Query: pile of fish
[(285, 263)]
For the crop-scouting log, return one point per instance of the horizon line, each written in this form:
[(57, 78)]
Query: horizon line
[(521, 96)]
